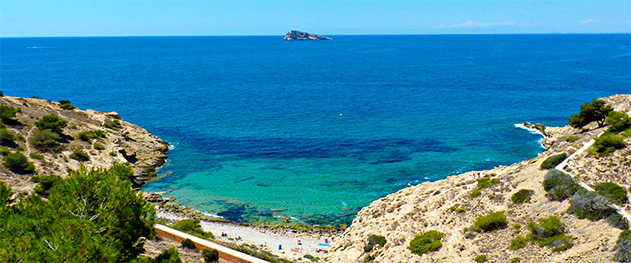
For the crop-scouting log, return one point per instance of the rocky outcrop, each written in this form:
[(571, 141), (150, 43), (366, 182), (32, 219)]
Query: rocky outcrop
[(122, 143), (299, 35), (435, 206)]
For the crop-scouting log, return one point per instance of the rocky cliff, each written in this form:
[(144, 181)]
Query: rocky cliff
[(122, 142), (299, 35), (448, 207)]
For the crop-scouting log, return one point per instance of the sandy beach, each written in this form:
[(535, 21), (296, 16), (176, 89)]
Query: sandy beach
[(293, 246)]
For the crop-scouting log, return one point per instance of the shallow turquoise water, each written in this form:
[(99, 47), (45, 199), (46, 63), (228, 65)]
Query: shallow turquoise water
[(256, 122)]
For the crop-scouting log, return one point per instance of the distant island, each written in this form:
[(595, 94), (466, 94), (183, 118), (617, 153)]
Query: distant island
[(299, 35)]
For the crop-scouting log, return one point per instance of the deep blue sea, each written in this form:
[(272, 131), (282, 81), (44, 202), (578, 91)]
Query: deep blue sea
[(265, 128)]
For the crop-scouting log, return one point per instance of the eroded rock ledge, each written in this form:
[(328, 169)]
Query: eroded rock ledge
[(123, 143)]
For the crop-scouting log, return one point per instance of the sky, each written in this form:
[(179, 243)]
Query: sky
[(50, 18)]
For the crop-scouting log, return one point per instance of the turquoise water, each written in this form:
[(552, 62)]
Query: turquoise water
[(255, 121)]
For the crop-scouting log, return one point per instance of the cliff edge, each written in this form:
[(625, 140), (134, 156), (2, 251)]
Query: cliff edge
[(102, 136), (451, 206)]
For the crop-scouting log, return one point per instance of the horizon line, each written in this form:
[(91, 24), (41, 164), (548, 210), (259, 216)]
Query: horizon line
[(402, 34)]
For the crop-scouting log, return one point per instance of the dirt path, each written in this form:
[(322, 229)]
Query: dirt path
[(28, 139)]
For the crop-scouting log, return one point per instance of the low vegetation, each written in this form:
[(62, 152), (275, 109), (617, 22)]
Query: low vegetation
[(45, 139), (374, 240), (80, 155), (193, 227), (481, 258), (490, 222), (98, 146), (484, 182), (65, 104), (518, 243), (7, 113), (51, 122), (187, 243), (550, 232), (522, 196), (426, 242), (618, 122), (210, 255), (456, 208), (572, 139), (87, 136), (114, 124), (7, 138), (559, 185), (45, 183), (613, 192), (623, 247), (18, 163), (170, 255), (553, 161), (607, 143), (592, 206)]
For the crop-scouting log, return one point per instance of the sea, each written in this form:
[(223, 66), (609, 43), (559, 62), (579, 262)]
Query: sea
[(263, 129)]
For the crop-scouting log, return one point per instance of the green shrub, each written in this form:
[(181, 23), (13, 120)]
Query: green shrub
[(193, 227), (623, 247), (187, 243), (4, 151), (373, 240), (618, 121), (20, 137), (113, 154), (51, 122), (170, 255), (515, 260), (572, 139), (613, 192), (559, 185), (550, 232), (18, 163), (456, 208), (596, 111), (210, 255), (590, 205), (7, 113), (552, 161), (20, 148), (522, 196), (426, 242), (487, 182), (99, 147), (114, 124), (87, 136), (6, 137), (37, 156), (73, 126), (518, 242), (475, 193), (607, 143), (45, 183), (80, 155), (65, 104), (490, 222), (481, 258), (44, 139)]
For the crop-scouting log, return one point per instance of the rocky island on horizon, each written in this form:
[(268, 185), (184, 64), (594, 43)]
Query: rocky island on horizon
[(300, 35)]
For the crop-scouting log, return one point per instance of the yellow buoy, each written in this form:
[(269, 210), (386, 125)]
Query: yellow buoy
[(340, 115)]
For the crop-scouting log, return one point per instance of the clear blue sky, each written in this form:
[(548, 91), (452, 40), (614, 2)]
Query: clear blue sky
[(255, 17)]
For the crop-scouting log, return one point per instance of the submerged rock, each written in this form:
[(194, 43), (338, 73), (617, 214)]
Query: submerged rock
[(299, 35)]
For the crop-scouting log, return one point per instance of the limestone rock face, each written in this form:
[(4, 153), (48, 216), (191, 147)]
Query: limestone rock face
[(299, 35), (123, 143), (434, 206)]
